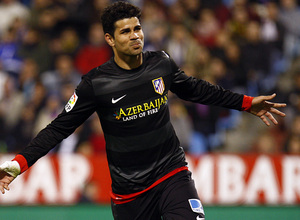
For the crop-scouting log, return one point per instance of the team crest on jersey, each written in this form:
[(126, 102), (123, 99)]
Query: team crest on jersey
[(196, 205), (71, 102), (159, 86)]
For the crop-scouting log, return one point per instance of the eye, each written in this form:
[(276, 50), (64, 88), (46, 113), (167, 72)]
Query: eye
[(138, 28), (125, 31)]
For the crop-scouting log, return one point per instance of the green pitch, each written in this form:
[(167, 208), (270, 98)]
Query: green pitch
[(98, 212)]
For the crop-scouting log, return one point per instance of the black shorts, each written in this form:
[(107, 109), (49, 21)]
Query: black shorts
[(174, 199)]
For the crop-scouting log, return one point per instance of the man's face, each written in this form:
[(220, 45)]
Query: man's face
[(129, 37)]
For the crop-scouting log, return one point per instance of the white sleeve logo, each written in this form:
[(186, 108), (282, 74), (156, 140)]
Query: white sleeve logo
[(71, 102)]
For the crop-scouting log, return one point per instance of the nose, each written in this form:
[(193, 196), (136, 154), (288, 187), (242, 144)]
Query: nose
[(134, 36)]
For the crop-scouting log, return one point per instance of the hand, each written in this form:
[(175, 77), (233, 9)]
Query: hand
[(5, 180), (264, 109), (8, 172)]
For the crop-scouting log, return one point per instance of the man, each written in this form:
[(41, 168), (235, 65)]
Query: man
[(150, 178)]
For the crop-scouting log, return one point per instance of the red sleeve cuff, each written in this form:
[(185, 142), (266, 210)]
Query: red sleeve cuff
[(247, 103), (22, 162)]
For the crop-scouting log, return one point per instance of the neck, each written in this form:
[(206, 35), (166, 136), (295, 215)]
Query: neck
[(129, 62)]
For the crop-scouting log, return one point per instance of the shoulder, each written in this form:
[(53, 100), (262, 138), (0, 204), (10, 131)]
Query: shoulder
[(157, 54), (99, 71), (158, 58)]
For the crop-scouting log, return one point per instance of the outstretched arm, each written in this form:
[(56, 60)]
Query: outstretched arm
[(264, 109)]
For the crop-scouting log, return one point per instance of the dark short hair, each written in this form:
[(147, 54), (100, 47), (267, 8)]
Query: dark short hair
[(115, 12)]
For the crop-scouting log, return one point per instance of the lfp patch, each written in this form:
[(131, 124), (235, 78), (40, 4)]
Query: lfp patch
[(71, 102), (196, 205), (159, 85)]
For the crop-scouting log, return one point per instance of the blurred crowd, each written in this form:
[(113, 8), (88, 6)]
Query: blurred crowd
[(250, 47)]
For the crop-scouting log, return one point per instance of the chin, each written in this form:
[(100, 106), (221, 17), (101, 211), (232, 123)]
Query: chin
[(138, 52)]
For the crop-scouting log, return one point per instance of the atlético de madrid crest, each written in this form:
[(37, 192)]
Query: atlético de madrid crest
[(159, 85)]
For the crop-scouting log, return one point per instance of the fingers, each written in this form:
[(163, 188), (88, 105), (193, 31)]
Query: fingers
[(269, 97), (277, 112), (263, 118), (275, 105), (271, 117), (4, 187), (279, 105)]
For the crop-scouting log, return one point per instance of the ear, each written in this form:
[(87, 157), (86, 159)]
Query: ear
[(109, 39)]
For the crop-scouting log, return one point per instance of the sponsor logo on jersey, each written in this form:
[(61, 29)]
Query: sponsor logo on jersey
[(196, 205), (159, 85), (71, 102), (142, 110), (114, 101)]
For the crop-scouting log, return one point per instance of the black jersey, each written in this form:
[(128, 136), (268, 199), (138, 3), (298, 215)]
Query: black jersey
[(132, 106)]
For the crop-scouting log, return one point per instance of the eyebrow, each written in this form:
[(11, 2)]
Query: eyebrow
[(127, 29)]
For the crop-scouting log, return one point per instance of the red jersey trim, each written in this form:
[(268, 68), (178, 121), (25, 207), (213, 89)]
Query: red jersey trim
[(247, 103), (22, 162), (120, 199)]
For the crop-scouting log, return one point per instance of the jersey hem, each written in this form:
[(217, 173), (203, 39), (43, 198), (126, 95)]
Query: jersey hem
[(121, 199)]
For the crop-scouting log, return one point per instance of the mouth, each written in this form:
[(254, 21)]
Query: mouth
[(136, 44)]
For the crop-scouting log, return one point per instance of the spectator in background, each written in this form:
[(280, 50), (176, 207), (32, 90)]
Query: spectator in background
[(289, 17), (219, 74), (77, 14), (202, 60), (35, 47), (153, 15), (10, 10), (290, 89), (157, 38), (10, 61), (11, 104), (38, 97), (66, 41), (266, 144), (234, 66), (27, 79), (69, 42), (293, 145), (236, 25), (23, 130), (272, 33), (96, 136), (222, 39), (63, 73), (178, 14), (206, 28), (3, 78), (182, 46), (193, 8), (96, 9), (182, 123), (292, 142), (255, 59), (47, 113), (46, 15), (94, 52)]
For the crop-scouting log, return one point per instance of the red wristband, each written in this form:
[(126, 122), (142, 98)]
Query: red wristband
[(247, 103), (22, 162)]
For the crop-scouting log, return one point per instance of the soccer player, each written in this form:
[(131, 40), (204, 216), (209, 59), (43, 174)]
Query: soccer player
[(150, 177)]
